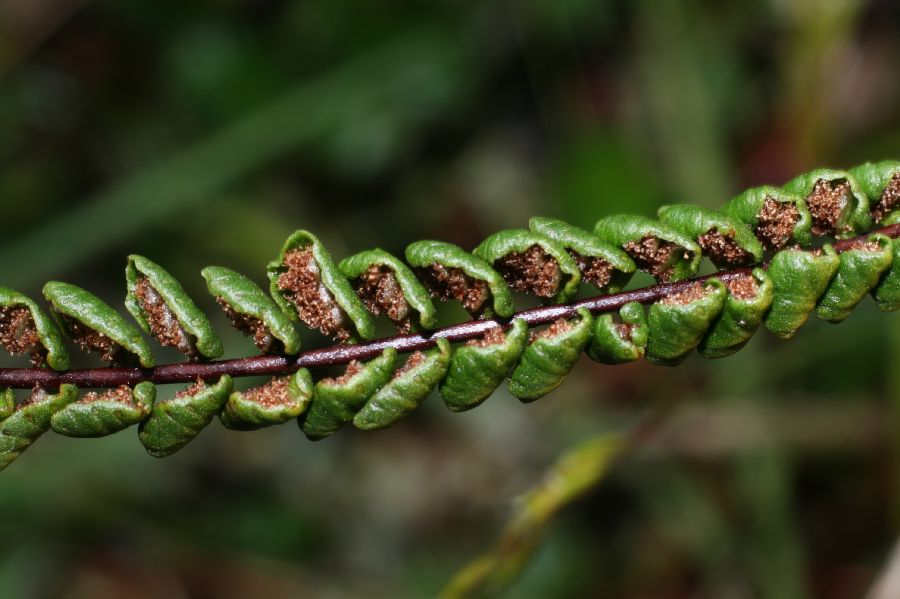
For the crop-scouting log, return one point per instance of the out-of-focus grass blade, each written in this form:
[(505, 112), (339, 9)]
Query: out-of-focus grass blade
[(576, 472), (380, 83)]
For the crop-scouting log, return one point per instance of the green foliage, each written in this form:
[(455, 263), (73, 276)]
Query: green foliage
[(874, 178), (480, 366), (167, 294), (549, 358), (101, 414), (239, 295), (623, 230), (716, 315), (854, 216), (414, 293), (337, 400), (741, 316), (332, 283), (174, 423), (261, 407), (750, 206), (446, 256), (91, 312), (799, 278), (406, 390), (586, 246), (572, 475), (697, 221), (518, 242), (51, 350), (887, 292), (677, 324), (29, 420), (620, 342), (204, 133), (859, 271), (7, 404)]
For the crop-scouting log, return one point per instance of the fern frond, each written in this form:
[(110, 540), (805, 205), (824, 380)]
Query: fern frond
[(781, 254)]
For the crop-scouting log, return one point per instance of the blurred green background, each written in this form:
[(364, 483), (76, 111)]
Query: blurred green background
[(201, 132)]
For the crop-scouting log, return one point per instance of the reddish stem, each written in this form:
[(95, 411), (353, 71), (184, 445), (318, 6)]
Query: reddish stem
[(26, 378)]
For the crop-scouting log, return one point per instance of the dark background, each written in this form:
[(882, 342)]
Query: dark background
[(203, 133)]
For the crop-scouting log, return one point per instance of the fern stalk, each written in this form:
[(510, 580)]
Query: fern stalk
[(823, 259), (270, 365)]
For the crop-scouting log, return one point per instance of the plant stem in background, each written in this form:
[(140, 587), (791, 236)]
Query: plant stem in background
[(578, 471)]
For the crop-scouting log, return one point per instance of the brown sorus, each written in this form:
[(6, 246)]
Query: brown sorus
[(353, 368), (18, 334), (596, 271), (827, 202), (302, 285), (89, 340), (625, 329), (249, 325), (865, 245), (121, 394), (690, 294), (775, 223), (532, 271), (889, 199), (415, 360), (652, 255), (743, 287), (449, 283), (275, 392), (191, 391), (557, 327), (722, 249), (163, 324), (380, 292), (493, 336), (37, 395)]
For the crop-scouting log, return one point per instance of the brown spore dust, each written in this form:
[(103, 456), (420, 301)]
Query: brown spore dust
[(301, 284), (556, 328), (89, 340), (380, 291), (827, 202), (415, 360), (625, 330), (162, 321), (744, 287), (594, 270), (775, 223), (493, 336), (889, 199), (653, 255), (449, 283), (37, 395), (722, 249), (18, 334), (195, 388), (275, 392), (353, 369), (865, 245), (251, 326), (690, 294), (532, 271), (121, 394)]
